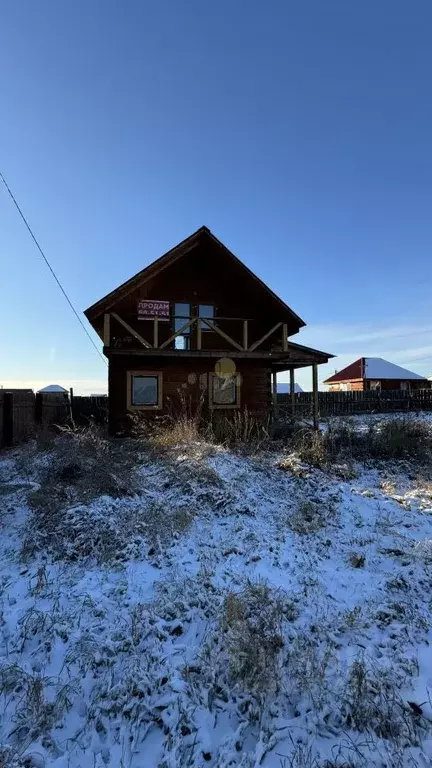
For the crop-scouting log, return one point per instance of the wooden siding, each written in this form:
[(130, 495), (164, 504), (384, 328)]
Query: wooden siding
[(206, 275), (184, 379), (362, 385)]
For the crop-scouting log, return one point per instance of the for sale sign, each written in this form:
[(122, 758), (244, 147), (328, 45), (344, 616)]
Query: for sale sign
[(148, 309)]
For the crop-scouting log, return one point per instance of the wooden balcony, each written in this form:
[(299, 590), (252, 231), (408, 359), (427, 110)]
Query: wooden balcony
[(199, 334)]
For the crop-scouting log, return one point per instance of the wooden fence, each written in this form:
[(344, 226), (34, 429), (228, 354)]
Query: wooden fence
[(346, 403), (90, 409), (22, 413)]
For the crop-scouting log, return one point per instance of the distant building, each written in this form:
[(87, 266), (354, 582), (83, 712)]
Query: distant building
[(375, 373), (53, 389), (284, 388)]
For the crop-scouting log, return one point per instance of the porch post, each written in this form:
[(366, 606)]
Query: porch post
[(274, 388), (292, 391), (315, 404)]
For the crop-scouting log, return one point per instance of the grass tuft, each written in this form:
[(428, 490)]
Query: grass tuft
[(252, 627)]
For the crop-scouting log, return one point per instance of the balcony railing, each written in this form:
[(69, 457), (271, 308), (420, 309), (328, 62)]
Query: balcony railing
[(195, 329)]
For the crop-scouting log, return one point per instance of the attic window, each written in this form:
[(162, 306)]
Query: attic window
[(206, 310), (182, 313)]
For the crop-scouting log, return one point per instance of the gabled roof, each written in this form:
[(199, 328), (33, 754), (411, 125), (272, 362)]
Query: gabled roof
[(104, 304), (372, 368)]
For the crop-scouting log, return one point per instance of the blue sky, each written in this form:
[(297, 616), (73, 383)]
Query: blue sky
[(299, 132)]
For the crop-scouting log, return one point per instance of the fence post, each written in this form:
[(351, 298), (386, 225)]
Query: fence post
[(38, 407), (315, 403), (8, 406), (71, 405), (292, 392)]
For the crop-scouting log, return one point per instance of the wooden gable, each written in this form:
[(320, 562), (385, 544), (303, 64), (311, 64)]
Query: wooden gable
[(200, 270)]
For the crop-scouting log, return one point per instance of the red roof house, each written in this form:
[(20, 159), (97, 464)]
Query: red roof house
[(375, 373)]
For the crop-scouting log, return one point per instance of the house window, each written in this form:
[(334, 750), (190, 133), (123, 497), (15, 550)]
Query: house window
[(182, 313), (375, 385), (144, 390), (405, 385), (206, 310), (224, 391)]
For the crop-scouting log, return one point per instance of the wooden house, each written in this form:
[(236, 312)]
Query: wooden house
[(197, 325), (368, 373)]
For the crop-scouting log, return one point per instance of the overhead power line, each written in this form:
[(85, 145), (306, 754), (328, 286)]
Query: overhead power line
[(50, 267)]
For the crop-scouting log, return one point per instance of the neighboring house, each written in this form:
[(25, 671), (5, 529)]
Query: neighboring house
[(375, 373), (53, 389), (284, 389), (197, 325)]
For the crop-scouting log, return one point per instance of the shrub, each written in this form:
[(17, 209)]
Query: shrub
[(357, 560)]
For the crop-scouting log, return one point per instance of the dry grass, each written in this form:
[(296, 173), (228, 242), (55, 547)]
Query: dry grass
[(356, 559), (396, 438), (182, 426), (310, 655), (242, 430), (373, 703), (83, 465), (251, 624), (311, 516), (186, 426), (106, 533), (9, 758), (35, 715)]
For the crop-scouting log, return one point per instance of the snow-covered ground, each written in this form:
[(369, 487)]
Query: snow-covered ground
[(259, 613)]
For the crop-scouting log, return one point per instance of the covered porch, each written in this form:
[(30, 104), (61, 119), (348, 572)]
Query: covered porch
[(299, 356)]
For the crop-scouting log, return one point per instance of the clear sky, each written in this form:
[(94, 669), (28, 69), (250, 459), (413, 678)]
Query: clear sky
[(299, 132)]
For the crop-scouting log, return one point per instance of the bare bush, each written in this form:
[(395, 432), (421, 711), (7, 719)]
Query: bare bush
[(187, 425)]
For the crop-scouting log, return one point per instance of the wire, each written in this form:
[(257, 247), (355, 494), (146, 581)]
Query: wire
[(50, 268)]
